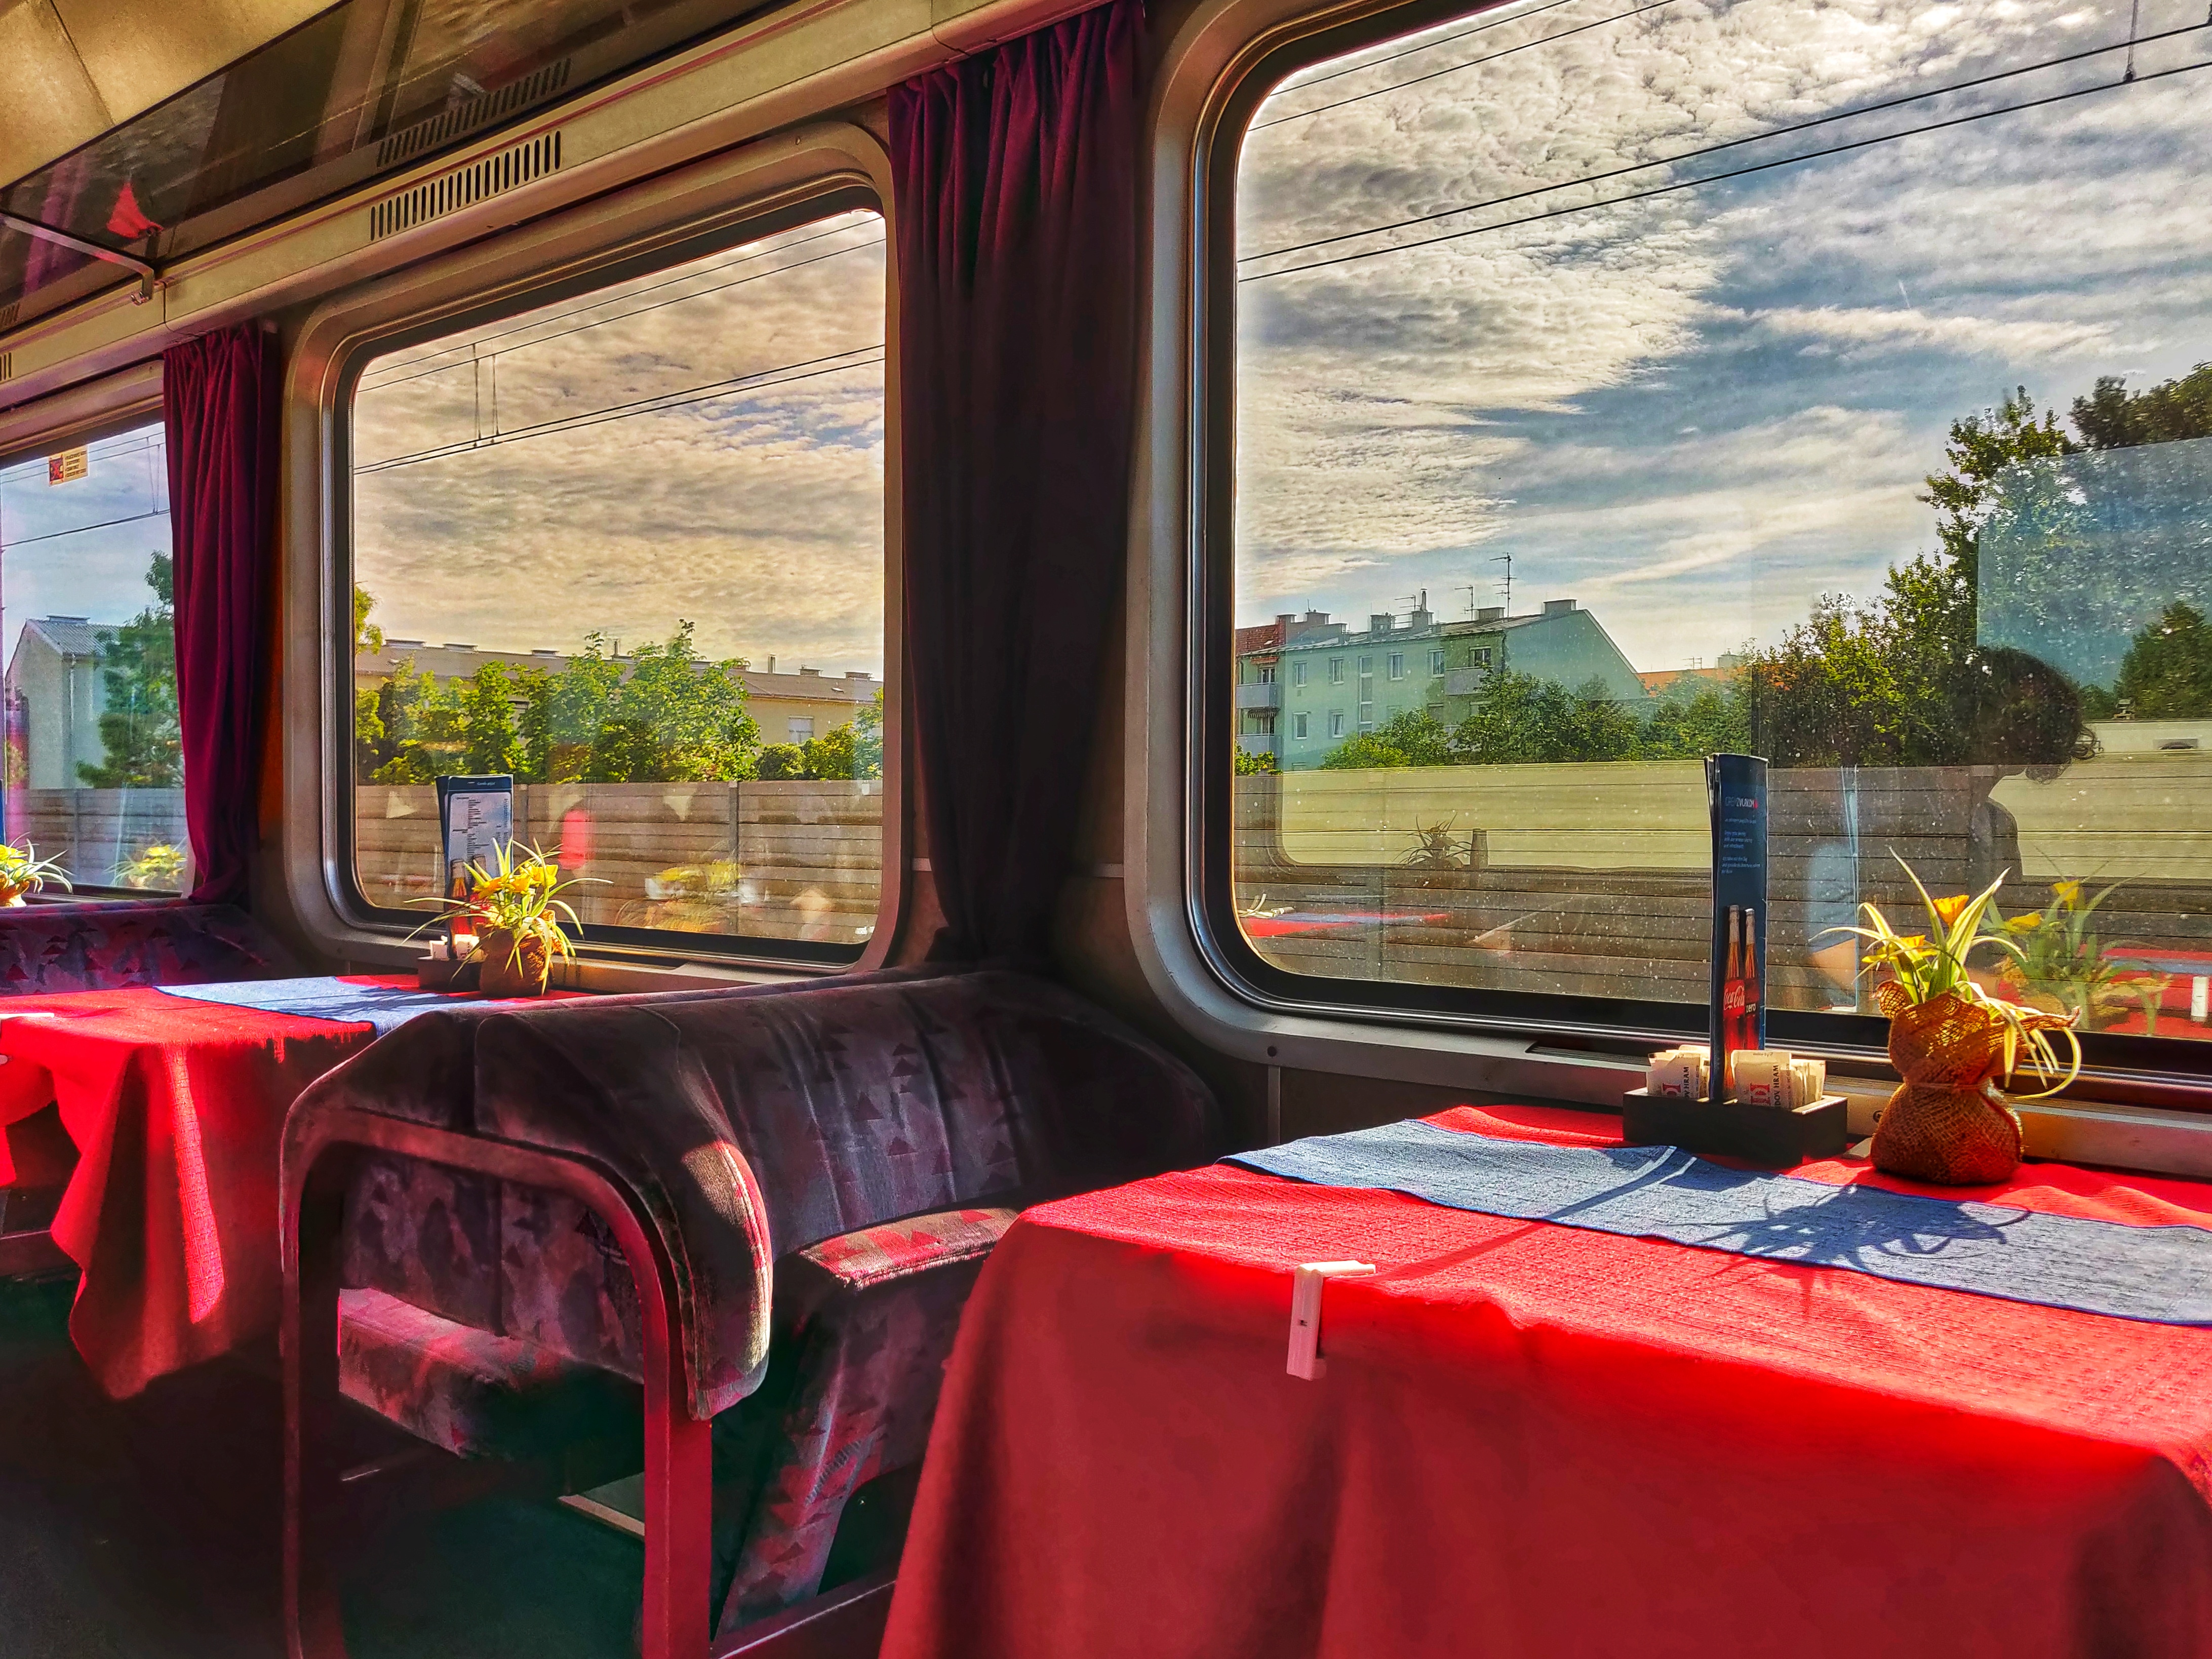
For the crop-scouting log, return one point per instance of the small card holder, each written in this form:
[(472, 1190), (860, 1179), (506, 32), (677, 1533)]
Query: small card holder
[(443, 974), (1776, 1137)]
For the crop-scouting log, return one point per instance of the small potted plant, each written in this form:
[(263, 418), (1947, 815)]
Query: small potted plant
[(158, 867), (1953, 1043), (22, 871), (518, 911), (2061, 966)]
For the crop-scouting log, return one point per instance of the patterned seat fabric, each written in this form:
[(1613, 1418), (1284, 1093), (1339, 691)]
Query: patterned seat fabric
[(791, 1126), (870, 1318), (49, 948)]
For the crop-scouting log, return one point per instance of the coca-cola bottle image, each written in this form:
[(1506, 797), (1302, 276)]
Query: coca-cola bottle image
[(1748, 1035), (1723, 1078)]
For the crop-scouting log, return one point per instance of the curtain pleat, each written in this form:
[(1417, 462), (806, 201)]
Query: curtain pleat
[(1015, 177), (219, 406)]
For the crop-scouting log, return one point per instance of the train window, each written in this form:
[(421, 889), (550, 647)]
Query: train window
[(93, 770), (1832, 387), (628, 548)]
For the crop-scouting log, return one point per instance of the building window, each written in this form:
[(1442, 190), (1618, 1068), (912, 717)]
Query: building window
[(1397, 665), (95, 778), (1298, 672), (1336, 670), (1367, 716), (1435, 663), (1298, 726), (1367, 668), (2044, 615), (1265, 674), (630, 503), (1336, 722)]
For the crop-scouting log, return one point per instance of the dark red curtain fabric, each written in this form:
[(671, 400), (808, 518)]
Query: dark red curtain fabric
[(219, 404), (1017, 195)]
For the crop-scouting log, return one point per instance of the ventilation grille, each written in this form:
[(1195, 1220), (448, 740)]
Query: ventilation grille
[(465, 186), (7, 314), (7, 365), (411, 142)]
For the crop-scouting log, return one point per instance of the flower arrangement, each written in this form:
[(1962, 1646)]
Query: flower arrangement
[(2060, 967), (159, 866), (22, 871), (517, 908), (1952, 1042)]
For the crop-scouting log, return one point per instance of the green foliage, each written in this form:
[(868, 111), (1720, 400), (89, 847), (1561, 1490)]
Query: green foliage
[(782, 760), (1412, 737), (1693, 719), (667, 716), (1900, 680), (1255, 762), (2112, 417), (2167, 672), (138, 727)]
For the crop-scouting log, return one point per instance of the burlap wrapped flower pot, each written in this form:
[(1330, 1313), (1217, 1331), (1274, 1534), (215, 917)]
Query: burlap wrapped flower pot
[(515, 965), (1946, 1122)]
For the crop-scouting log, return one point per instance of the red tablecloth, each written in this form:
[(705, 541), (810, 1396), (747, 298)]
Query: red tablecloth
[(176, 1107), (1534, 1440)]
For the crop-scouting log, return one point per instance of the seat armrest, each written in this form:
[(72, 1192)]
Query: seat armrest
[(869, 1258)]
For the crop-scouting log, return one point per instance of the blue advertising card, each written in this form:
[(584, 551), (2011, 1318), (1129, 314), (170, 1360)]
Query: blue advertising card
[(1735, 795), (476, 818)]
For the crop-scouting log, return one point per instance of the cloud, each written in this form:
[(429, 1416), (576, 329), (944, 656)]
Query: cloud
[(757, 515), (1708, 405)]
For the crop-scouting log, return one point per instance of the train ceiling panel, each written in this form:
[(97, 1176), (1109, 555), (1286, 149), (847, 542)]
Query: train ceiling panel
[(136, 132)]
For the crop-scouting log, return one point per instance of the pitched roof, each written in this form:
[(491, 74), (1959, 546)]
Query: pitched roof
[(72, 636)]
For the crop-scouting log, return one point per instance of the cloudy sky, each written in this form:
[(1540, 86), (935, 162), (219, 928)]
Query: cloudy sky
[(1695, 411), (704, 443)]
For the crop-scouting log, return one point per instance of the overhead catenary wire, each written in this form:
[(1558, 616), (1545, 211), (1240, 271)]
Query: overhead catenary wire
[(739, 386), (1516, 15), (1806, 125), (1472, 62), (404, 359), (758, 276), (1670, 189)]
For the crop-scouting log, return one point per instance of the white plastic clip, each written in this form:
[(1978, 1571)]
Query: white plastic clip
[(1305, 1312)]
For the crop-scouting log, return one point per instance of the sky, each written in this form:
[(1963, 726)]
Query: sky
[(618, 498), (82, 548), (1695, 412)]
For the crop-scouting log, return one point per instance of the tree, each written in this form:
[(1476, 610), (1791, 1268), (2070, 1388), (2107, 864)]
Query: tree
[(1254, 764), (674, 720), (1412, 737), (2112, 417), (138, 726), (1903, 680), (2167, 672), (485, 709), (1694, 719)]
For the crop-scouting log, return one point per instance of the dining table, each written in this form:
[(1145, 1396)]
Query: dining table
[(1566, 1396), (174, 1099)]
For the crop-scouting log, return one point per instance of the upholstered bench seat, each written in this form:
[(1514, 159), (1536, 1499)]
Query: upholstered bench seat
[(826, 1167)]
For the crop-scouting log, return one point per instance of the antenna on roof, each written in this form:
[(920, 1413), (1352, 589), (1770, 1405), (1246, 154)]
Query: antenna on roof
[(1506, 559), (1469, 591)]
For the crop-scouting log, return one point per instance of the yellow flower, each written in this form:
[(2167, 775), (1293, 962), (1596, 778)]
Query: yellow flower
[(1948, 909), (2069, 893), (2024, 924)]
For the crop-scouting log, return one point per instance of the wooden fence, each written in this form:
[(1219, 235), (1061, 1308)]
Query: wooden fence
[(1592, 879), (776, 860), (94, 833)]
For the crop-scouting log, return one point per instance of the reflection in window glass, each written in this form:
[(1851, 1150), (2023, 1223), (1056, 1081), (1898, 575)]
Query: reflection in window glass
[(1827, 383), (628, 548), (93, 770)]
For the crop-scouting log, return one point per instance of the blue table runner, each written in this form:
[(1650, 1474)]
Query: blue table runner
[(385, 1006), (2161, 1273)]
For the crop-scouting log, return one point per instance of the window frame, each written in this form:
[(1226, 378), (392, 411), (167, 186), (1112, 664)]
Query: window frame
[(1220, 64), (756, 191), (85, 414)]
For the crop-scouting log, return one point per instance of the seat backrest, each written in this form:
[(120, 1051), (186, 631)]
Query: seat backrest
[(46, 949), (750, 1126)]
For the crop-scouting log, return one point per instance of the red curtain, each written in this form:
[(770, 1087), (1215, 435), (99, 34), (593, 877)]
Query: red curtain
[(219, 405), (1016, 174)]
